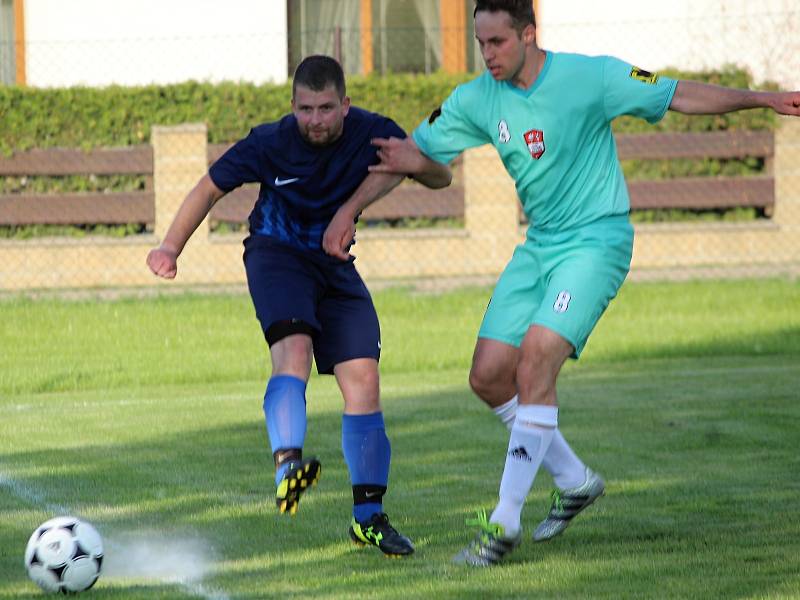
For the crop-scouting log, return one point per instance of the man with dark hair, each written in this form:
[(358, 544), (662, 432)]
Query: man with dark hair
[(318, 72), (309, 304), (520, 11), (549, 116)]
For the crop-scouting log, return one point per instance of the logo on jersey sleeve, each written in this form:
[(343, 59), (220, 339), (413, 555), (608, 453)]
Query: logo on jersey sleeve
[(435, 115), (503, 134), (535, 141), (643, 76)]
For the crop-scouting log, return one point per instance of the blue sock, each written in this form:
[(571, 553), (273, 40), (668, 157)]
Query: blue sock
[(285, 413), (367, 453)]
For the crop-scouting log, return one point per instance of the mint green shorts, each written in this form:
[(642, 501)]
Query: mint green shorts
[(562, 281)]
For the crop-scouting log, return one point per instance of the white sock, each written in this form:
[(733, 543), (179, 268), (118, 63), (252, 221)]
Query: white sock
[(560, 461), (506, 412), (530, 437), (563, 464)]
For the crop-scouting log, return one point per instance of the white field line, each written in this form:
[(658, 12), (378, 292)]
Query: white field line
[(38, 499), (31, 496)]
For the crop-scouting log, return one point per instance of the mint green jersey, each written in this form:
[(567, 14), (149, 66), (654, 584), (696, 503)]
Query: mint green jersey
[(555, 137)]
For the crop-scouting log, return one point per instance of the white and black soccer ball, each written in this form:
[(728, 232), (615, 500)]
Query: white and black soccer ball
[(64, 555)]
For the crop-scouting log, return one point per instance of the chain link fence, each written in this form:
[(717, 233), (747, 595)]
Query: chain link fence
[(711, 197)]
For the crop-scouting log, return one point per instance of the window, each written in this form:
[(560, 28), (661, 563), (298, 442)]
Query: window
[(474, 59), (368, 35), (8, 62), (325, 27), (407, 36)]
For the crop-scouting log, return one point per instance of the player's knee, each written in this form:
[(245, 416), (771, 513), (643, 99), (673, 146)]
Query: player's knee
[(291, 352), (298, 354), (483, 381), (361, 397), (476, 381), (366, 382), (359, 382)]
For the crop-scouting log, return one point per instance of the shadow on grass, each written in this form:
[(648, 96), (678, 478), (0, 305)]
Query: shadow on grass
[(687, 504)]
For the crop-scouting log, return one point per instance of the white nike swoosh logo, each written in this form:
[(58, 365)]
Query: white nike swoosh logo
[(370, 494), (279, 182)]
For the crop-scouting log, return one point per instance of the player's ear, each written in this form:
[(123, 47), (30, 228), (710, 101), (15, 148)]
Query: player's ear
[(345, 104), (529, 35)]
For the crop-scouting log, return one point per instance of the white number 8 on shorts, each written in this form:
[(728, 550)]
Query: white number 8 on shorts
[(562, 302)]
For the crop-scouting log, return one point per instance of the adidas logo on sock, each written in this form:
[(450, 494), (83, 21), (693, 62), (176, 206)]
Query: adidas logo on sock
[(520, 454)]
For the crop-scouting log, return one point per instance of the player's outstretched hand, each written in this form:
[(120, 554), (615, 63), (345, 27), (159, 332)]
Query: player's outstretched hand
[(339, 233), (788, 103), (397, 155), (163, 262)]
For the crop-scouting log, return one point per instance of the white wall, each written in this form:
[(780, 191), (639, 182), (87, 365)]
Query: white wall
[(763, 36), (136, 42)]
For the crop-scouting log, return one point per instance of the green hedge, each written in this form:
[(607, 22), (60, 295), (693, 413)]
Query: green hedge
[(120, 116)]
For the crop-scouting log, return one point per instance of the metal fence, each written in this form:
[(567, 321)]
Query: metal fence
[(71, 218)]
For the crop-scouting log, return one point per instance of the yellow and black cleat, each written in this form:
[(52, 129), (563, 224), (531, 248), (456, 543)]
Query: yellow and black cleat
[(378, 532), (299, 477)]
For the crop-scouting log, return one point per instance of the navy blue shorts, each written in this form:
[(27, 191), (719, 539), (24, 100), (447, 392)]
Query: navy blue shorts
[(295, 289)]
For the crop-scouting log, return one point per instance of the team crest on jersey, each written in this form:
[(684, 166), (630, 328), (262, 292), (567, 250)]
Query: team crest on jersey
[(535, 141), (643, 76), (503, 134)]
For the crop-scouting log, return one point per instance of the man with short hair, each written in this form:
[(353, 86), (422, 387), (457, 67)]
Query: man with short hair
[(309, 304), (549, 116)]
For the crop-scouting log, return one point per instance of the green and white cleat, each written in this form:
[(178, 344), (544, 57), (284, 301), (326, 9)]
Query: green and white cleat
[(489, 547), (567, 504)]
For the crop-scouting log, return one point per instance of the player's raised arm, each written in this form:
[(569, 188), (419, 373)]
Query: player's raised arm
[(163, 261), (342, 228), (399, 157), (696, 98), (402, 156)]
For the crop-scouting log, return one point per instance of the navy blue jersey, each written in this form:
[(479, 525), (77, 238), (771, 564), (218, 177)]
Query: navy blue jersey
[(302, 186)]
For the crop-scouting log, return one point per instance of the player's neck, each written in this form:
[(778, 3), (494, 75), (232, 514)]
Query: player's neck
[(533, 65)]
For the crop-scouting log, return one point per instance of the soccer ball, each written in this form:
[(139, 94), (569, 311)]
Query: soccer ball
[(64, 555)]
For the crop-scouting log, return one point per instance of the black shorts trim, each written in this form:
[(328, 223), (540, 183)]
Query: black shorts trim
[(282, 329)]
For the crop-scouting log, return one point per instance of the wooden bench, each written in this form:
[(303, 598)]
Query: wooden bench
[(409, 200), (113, 208), (699, 193)]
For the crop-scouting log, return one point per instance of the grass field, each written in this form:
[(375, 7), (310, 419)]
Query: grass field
[(144, 416)]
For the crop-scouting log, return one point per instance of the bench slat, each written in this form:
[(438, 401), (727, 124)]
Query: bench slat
[(77, 209), (703, 193), (409, 200), (716, 144), (70, 161)]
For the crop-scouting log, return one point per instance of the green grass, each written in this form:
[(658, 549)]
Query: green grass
[(144, 416)]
